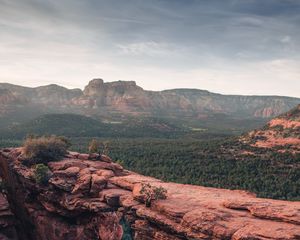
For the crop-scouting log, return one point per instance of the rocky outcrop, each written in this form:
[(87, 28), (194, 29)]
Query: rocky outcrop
[(87, 198), (8, 98), (281, 133), (122, 96)]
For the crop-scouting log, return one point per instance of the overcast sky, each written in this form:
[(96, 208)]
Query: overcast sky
[(225, 46)]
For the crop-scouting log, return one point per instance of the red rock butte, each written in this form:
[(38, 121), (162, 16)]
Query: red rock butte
[(88, 199)]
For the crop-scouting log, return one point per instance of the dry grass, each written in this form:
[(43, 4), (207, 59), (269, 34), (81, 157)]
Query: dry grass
[(44, 149)]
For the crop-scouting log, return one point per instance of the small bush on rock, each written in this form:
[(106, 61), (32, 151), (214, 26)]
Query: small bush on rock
[(151, 193), (41, 174), (66, 140), (99, 147), (44, 149)]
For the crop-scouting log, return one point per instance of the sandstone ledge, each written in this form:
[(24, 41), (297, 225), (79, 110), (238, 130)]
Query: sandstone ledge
[(88, 198)]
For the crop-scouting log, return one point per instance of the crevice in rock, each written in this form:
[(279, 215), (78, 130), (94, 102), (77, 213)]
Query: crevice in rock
[(23, 223)]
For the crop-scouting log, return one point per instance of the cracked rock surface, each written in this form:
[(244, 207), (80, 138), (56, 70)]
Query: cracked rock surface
[(89, 199)]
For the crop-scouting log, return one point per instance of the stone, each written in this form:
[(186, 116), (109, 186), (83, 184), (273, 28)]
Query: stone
[(7, 221), (105, 158), (88, 199), (83, 183), (98, 183), (109, 227), (112, 196)]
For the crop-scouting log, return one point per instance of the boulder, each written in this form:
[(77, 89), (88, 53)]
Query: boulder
[(112, 196)]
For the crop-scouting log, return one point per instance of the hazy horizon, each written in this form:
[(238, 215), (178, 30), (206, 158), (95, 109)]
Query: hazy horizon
[(189, 88), (236, 47)]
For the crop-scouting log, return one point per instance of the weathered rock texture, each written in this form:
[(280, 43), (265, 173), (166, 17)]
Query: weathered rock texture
[(7, 221), (281, 133), (89, 199)]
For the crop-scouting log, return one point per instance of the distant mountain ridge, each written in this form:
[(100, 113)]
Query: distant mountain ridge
[(123, 98)]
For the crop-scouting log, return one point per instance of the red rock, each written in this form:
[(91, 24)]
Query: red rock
[(105, 158), (98, 183), (128, 202), (63, 183), (110, 228), (87, 199), (79, 204), (83, 156), (116, 168), (94, 156), (69, 172), (72, 154), (7, 221), (105, 173), (66, 163), (265, 231), (143, 231), (65, 179), (112, 196), (129, 181), (279, 133), (274, 210), (83, 183)]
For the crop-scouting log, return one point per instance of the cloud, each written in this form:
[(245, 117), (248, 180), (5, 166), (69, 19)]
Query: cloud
[(151, 49), (286, 39), (226, 46)]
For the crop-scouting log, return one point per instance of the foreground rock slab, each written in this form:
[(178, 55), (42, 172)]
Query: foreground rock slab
[(87, 198)]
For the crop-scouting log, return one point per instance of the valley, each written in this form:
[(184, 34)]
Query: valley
[(192, 145), (149, 120), (210, 155)]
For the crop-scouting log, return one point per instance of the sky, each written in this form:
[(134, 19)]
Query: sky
[(227, 46)]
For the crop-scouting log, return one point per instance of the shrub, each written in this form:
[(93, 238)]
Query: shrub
[(151, 193), (44, 149), (66, 140), (41, 173), (99, 147)]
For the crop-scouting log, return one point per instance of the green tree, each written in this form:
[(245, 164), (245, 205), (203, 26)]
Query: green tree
[(151, 193), (41, 174), (96, 146)]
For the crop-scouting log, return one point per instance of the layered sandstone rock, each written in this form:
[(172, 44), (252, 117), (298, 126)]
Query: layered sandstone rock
[(7, 220), (282, 133), (88, 199)]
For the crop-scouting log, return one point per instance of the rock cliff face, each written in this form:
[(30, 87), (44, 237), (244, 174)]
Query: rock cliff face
[(282, 133), (125, 97), (7, 221), (96, 199)]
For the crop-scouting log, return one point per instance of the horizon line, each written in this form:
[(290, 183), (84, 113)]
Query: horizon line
[(170, 89)]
